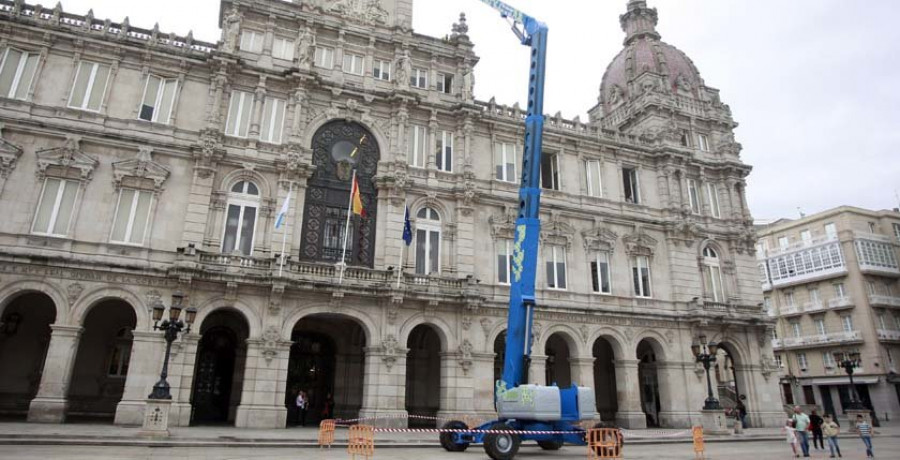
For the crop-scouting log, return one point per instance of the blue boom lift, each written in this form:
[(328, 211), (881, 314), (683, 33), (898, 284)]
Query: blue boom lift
[(528, 412)]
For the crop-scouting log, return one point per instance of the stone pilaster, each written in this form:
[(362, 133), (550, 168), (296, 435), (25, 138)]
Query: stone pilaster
[(265, 381), (675, 411), (457, 390), (50, 404), (582, 369), (384, 386), (483, 384), (181, 378), (538, 372), (147, 350), (628, 387)]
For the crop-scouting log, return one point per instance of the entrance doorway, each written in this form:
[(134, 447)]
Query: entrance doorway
[(24, 339), (605, 379), (219, 370), (327, 362), (647, 374), (559, 370), (423, 375)]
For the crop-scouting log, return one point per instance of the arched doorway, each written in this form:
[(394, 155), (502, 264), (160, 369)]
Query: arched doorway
[(728, 386), (327, 362), (649, 381), (101, 365), (499, 356), (605, 379), (339, 148), (24, 338), (219, 368), (559, 370), (423, 375)]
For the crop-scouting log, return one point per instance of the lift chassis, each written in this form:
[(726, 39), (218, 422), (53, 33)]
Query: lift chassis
[(526, 412)]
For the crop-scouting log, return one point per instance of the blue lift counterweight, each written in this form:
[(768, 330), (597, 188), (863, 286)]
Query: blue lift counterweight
[(530, 410)]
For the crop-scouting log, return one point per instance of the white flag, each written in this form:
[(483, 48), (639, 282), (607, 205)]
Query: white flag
[(282, 215)]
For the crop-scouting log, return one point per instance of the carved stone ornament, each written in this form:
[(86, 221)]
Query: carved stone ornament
[(208, 152), (9, 156), (271, 337), (465, 356), (639, 244), (389, 347), (486, 327), (556, 231), (73, 292), (583, 331), (685, 231), (768, 366), (503, 226), (69, 156), (466, 322), (141, 166), (367, 12), (599, 239)]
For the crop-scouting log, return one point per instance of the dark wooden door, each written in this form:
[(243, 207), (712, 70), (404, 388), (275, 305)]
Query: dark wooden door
[(216, 354)]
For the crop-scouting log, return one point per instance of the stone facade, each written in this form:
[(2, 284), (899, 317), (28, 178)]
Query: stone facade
[(136, 163), (831, 280)]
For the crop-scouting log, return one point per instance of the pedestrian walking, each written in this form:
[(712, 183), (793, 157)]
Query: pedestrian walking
[(865, 433), (831, 430), (815, 427), (790, 435), (328, 408), (742, 410), (801, 425), (302, 406)]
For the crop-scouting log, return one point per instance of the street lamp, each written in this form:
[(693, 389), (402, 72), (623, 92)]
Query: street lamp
[(705, 353), (849, 362), (170, 327)]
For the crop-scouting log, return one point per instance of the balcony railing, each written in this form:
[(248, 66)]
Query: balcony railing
[(822, 339), (888, 335), (777, 343), (813, 307), (840, 302), (790, 310), (884, 301), (800, 245)]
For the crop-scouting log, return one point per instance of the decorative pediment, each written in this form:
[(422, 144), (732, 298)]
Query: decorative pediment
[(367, 12), (639, 244), (9, 156), (67, 157), (599, 239), (140, 169), (503, 225), (556, 231)]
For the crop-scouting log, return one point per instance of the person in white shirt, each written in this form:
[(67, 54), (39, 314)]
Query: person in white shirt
[(302, 406)]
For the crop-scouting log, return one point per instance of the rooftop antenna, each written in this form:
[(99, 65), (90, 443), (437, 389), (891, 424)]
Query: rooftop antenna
[(897, 196), (802, 214)]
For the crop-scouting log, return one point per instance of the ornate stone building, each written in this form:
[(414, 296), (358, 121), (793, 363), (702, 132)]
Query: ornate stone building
[(136, 163)]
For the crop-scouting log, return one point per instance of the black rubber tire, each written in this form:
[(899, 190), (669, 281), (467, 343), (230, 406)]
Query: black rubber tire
[(447, 438), (501, 446), (550, 445)]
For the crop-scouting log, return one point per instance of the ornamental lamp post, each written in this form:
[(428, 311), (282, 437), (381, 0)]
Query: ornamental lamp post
[(705, 353), (170, 327), (849, 362)]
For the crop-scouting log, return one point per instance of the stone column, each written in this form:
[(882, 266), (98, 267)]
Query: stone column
[(50, 404), (145, 364), (181, 378), (265, 381), (483, 384), (384, 386), (628, 389), (674, 410), (457, 389), (538, 372)]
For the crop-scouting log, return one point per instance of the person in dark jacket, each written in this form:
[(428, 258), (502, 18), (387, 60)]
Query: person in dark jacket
[(815, 426)]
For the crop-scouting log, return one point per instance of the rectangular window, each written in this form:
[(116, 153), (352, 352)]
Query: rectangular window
[(444, 154), (419, 78), (428, 253), (882, 321), (828, 359), (814, 295), (685, 138), (896, 230), (132, 216), (630, 185), (505, 162), (381, 70), (789, 299), (272, 120), (839, 291), (870, 287), (831, 231), (640, 271), (353, 64), (801, 360), (283, 48), (324, 57), (239, 111), (417, 140), (694, 195), (556, 267), (550, 171), (767, 302), (445, 83), (333, 234), (806, 237), (600, 274), (712, 193), (504, 261), (594, 179), (89, 87), (55, 207), (795, 329), (158, 100), (783, 242), (820, 326), (779, 362), (871, 227), (847, 323), (252, 41), (17, 73), (119, 357), (703, 142), (240, 225)]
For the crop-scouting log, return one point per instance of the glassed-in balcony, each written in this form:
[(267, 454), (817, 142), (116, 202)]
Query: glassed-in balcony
[(812, 261), (876, 254)]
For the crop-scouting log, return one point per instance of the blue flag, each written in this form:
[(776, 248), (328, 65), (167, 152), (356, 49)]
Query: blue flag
[(407, 228)]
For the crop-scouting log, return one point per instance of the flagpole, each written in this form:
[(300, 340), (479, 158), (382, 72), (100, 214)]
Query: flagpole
[(347, 228), (402, 245), (284, 232)]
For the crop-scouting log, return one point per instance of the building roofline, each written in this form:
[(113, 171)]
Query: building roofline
[(783, 224)]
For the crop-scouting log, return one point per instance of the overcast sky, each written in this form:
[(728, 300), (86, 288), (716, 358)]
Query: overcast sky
[(813, 83)]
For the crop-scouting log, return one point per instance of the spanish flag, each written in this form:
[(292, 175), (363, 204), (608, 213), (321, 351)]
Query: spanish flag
[(356, 199)]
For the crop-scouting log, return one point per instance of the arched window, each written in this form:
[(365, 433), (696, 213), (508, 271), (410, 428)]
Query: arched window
[(240, 218), (712, 273), (428, 242)]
